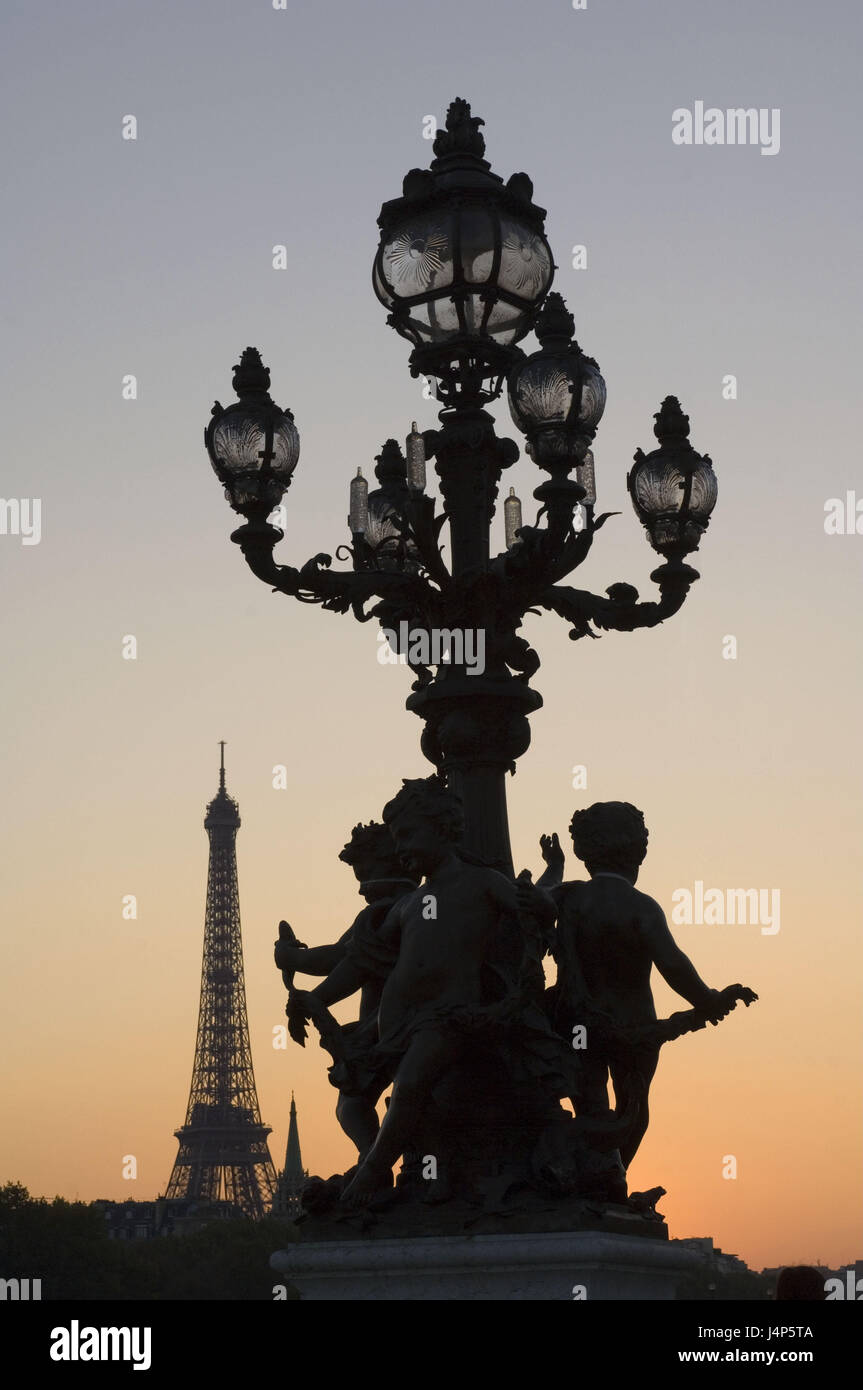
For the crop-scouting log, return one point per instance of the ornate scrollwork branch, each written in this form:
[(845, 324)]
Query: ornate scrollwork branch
[(621, 610), (335, 590)]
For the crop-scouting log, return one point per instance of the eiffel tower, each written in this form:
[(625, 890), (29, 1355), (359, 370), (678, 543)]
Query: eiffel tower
[(223, 1154)]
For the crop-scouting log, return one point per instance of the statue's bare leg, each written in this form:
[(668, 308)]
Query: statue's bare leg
[(591, 1097), (428, 1057), (633, 1081), (359, 1120)]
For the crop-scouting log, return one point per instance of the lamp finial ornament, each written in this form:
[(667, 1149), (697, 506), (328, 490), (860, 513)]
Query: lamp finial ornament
[(555, 325), (462, 134), (671, 426), (250, 374)]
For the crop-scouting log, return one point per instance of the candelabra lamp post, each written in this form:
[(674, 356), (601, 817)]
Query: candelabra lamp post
[(464, 270)]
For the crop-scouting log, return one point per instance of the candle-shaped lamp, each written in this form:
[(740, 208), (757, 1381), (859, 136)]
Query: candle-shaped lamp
[(358, 519), (585, 474), (415, 452), (511, 518)]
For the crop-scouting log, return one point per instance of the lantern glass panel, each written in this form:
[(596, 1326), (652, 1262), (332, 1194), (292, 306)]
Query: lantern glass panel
[(380, 525), (658, 488), (380, 287), (382, 533), (593, 396), (418, 256), (506, 322), (542, 392), (441, 317), (525, 265), (240, 438), (704, 492)]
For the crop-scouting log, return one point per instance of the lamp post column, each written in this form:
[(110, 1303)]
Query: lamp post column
[(476, 724)]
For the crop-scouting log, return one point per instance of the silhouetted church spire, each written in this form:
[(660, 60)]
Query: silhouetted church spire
[(293, 1178), (293, 1157)]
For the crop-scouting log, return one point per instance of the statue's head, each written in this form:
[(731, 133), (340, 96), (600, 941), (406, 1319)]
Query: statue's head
[(372, 854), (610, 837), (426, 821)]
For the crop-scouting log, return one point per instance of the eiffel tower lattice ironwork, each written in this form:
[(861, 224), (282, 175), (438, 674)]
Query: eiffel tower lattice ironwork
[(223, 1154)]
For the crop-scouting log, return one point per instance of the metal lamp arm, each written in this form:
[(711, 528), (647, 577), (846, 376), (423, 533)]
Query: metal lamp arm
[(621, 610), (336, 590)]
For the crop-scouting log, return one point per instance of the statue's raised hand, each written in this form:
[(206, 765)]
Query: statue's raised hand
[(287, 948), (551, 852)]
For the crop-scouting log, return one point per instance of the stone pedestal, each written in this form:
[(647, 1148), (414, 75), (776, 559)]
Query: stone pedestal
[(554, 1266)]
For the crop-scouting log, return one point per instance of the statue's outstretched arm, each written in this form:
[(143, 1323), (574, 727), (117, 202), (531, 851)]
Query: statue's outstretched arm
[(311, 960), (674, 965), (292, 955), (341, 983)]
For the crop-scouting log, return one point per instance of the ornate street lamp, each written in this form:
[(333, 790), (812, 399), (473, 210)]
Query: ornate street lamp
[(557, 395), (463, 263), (556, 398), (380, 539), (464, 268), (673, 489), (253, 445)]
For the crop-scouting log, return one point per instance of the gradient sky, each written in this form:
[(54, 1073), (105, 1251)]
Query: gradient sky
[(153, 257)]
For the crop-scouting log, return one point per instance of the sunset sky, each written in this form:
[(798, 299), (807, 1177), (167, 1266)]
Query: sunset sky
[(153, 257)]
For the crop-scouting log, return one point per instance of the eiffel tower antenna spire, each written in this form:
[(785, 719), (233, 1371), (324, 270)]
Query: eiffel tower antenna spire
[(223, 1154)]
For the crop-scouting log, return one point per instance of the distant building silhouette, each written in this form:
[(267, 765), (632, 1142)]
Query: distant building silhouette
[(846, 1282), (147, 1220), (718, 1259), (223, 1155), (292, 1178)]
